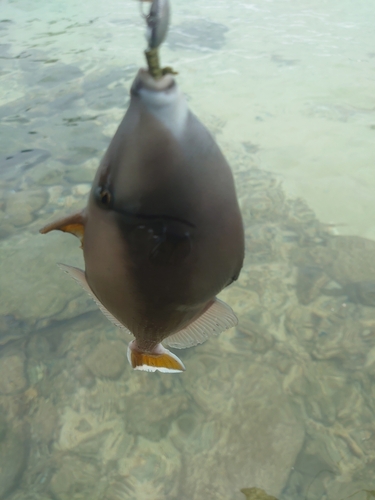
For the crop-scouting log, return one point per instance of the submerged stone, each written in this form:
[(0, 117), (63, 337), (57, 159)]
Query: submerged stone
[(12, 374), (13, 454), (108, 359)]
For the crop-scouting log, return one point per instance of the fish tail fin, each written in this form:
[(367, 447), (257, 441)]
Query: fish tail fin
[(160, 359)]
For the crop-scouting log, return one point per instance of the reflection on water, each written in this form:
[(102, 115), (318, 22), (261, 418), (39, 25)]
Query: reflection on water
[(283, 405)]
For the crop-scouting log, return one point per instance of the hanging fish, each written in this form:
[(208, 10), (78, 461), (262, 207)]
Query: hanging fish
[(162, 233)]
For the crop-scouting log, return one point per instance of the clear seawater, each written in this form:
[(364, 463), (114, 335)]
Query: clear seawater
[(285, 402)]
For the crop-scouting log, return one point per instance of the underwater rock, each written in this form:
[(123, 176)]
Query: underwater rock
[(44, 421), (129, 488), (6, 228), (154, 470), (310, 281), (260, 339), (328, 329), (263, 206), (81, 189), (84, 376), (34, 289), (12, 374), (108, 359), (120, 488), (22, 205), (11, 329), (252, 438), (299, 322), (245, 301), (315, 464), (38, 347), (357, 489), (79, 176), (261, 244), (90, 435), (161, 410), (76, 479), (362, 292), (347, 259), (299, 214), (12, 165), (13, 454)]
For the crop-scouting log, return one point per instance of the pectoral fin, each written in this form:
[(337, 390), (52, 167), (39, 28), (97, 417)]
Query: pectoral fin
[(74, 224)]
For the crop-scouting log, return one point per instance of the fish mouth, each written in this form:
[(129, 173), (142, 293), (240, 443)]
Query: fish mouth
[(144, 80)]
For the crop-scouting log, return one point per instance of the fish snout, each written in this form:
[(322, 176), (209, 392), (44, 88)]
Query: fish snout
[(144, 81)]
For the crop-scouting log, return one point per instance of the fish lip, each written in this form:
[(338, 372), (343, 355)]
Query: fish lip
[(144, 80)]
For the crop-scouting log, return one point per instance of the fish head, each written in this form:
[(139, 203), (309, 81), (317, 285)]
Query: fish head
[(144, 156), (135, 185), (164, 184), (138, 224)]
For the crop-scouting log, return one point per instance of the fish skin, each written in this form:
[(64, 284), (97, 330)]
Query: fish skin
[(163, 232)]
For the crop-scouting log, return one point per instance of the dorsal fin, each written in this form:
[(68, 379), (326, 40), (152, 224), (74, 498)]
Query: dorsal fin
[(216, 319)]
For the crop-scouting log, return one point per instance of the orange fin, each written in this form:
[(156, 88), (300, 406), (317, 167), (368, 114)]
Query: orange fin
[(160, 359), (74, 224)]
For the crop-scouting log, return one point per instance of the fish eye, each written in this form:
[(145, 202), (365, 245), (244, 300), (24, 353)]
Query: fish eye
[(104, 196)]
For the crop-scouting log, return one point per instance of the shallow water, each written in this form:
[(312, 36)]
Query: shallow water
[(284, 402)]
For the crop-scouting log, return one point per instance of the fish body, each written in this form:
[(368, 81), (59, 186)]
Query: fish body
[(162, 232)]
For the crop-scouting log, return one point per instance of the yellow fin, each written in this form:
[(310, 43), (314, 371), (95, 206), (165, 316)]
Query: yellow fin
[(73, 224), (160, 359)]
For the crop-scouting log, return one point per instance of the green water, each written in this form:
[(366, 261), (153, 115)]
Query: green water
[(285, 402)]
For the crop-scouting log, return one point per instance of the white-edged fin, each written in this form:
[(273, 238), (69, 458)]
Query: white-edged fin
[(216, 319), (79, 276), (160, 359)]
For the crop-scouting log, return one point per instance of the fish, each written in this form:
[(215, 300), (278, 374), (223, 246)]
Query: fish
[(162, 232)]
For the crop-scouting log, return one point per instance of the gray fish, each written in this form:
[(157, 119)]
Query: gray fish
[(162, 233)]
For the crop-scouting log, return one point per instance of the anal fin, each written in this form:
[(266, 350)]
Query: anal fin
[(160, 359), (217, 318), (79, 276)]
